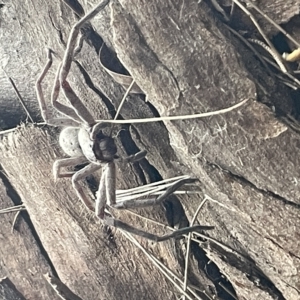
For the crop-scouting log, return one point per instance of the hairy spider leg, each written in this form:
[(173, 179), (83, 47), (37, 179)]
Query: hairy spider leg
[(79, 175), (67, 162), (82, 112), (72, 119), (154, 237), (70, 112), (107, 192), (107, 187)]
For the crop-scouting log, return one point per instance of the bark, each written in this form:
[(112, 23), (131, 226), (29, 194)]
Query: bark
[(185, 61), (8, 291), (22, 258)]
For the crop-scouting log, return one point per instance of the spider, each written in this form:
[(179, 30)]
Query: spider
[(84, 141)]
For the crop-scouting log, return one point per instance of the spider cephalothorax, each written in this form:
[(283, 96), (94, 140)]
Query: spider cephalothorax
[(84, 141), (99, 148)]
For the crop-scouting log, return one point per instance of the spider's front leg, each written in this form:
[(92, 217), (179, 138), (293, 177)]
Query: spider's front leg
[(80, 109), (107, 187), (72, 119)]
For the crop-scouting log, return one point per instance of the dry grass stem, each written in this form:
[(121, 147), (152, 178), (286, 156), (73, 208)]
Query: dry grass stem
[(273, 23), (16, 208), (158, 119), (174, 118), (227, 290), (173, 278), (249, 14), (14, 221), (19, 97), (270, 51), (188, 247), (156, 188)]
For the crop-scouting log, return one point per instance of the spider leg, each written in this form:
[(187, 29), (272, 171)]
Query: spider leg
[(64, 109), (136, 157), (74, 100), (107, 189), (66, 162), (177, 233), (79, 175), (42, 103), (154, 201)]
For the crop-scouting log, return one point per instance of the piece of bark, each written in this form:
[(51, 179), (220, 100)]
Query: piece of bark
[(60, 288), (181, 77), (8, 291), (21, 257)]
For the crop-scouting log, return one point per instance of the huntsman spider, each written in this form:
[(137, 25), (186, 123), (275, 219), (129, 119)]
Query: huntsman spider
[(84, 141)]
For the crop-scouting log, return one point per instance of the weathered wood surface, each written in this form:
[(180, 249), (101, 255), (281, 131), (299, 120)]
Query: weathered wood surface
[(185, 62), (21, 259), (8, 291)]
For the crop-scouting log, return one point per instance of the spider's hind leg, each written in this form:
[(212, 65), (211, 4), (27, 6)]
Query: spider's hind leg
[(138, 203), (136, 157), (154, 237)]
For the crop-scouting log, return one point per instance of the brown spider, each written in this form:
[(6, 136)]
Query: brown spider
[(84, 141)]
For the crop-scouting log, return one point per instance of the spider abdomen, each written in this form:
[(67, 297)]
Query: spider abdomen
[(68, 141)]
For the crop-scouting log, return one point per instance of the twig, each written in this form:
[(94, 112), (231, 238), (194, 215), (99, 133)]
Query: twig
[(162, 268), (188, 248), (273, 23), (14, 221), (13, 209), (60, 288), (174, 118), (15, 128), (270, 51), (248, 45), (19, 96), (249, 14)]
